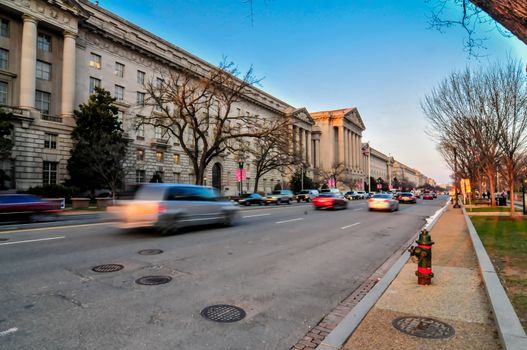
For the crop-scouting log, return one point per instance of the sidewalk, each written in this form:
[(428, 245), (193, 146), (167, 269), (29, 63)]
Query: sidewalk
[(456, 297)]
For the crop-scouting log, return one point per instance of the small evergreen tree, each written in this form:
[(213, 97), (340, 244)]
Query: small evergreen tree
[(99, 151), (6, 144)]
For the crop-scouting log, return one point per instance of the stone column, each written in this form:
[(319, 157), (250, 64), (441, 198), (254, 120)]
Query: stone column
[(350, 150), (342, 155), (28, 62), (301, 149), (354, 160), (308, 148), (295, 141), (68, 75)]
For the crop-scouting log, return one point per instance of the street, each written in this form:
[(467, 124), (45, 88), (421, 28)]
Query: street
[(286, 266)]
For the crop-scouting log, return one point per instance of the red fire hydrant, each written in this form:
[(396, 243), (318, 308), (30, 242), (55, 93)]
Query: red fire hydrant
[(423, 253)]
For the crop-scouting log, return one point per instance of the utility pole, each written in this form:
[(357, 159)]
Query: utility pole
[(456, 183)]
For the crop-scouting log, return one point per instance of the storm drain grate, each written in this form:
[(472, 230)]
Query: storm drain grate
[(423, 327), (108, 268), (153, 280), (150, 252), (223, 313)]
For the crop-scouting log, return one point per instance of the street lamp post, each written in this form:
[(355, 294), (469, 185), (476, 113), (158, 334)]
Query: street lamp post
[(523, 196), (240, 167), (456, 184)]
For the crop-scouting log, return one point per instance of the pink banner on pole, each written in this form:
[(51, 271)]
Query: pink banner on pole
[(240, 175)]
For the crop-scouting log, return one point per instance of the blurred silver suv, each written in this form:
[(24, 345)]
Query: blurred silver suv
[(169, 207), (279, 196)]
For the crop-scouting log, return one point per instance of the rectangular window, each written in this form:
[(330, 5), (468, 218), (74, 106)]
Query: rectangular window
[(177, 159), (159, 82), (49, 173), (119, 70), (50, 141), (4, 28), (140, 154), (140, 131), (95, 61), (160, 156), (4, 59), (140, 176), (3, 93), (177, 178), (141, 98), (94, 82), (43, 102), (157, 132), (44, 42), (140, 77), (119, 93), (43, 70)]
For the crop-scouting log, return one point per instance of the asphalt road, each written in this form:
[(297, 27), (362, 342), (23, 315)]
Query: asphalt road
[(286, 266)]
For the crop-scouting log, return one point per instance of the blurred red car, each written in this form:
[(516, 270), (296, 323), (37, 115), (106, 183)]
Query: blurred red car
[(428, 195), (27, 207), (407, 197), (330, 201)]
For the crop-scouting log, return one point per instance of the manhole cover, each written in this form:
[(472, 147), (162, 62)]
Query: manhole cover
[(223, 313), (423, 327), (108, 268), (150, 251), (153, 280)]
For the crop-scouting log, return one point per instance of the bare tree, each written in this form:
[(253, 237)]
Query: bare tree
[(199, 112), (510, 14), (507, 96), (462, 121), (273, 152), (337, 172)]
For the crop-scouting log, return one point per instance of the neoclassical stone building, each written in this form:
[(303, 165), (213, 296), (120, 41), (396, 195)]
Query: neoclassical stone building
[(52, 56), (53, 53), (339, 134)]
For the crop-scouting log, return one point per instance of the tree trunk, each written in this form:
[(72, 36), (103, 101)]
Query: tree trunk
[(490, 175), (510, 14), (256, 180), (510, 173)]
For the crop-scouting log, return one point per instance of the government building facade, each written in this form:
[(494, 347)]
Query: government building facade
[(54, 53)]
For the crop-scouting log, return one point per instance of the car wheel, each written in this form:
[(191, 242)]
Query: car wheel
[(228, 219), (266, 203), (171, 228), (260, 203), (288, 201), (298, 200), (247, 204)]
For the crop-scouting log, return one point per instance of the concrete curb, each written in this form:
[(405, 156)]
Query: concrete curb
[(338, 336), (511, 332)]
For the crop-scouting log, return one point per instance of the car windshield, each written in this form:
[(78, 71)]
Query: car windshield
[(303, 192), (277, 192), (383, 196), (406, 194), (327, 195)]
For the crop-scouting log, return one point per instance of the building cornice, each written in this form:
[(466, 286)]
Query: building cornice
[(131, 36)]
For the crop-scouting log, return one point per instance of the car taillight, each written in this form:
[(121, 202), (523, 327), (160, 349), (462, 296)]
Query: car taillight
[(386, 201), (370, 200), (161, 209)]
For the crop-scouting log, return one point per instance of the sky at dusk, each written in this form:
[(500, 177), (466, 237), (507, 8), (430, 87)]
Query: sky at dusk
[(378, 56)]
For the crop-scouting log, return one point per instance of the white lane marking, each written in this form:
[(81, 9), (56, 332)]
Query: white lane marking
[(283, 222), (358, 209), (253, 216), (33, 240), (9, 331), (355, 224), (54, 228)]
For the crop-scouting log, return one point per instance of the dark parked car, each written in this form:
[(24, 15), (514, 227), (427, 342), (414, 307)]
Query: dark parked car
[(26, 207), (306, 195), (250, 199), (330, 201)]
